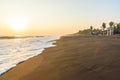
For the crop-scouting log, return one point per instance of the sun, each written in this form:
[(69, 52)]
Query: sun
[(18, 24)]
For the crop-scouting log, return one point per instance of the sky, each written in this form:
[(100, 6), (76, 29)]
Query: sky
[(56, 17)]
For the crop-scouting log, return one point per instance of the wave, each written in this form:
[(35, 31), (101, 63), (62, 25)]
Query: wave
[(14, 51)]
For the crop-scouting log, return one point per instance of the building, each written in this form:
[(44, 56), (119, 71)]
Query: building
[(110, 31)]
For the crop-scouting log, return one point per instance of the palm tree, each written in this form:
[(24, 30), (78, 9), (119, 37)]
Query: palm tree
[(103, 26), (111, 24), (91, 28), (118, 25)]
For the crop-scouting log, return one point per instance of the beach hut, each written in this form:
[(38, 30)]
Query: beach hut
[(110, 31)]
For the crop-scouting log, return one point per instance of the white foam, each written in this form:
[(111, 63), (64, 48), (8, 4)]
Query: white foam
[(14, 51)]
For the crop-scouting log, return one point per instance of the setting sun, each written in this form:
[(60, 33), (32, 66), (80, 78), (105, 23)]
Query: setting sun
[(18, 24)]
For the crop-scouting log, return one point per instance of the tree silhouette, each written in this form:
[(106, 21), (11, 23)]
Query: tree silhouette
[(118, 25), (111, 24), (91, 29), (103, 26)]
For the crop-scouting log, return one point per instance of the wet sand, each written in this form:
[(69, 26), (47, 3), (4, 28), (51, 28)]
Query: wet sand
[(74, 58)]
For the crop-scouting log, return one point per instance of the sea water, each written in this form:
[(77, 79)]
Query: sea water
[(16, 50)]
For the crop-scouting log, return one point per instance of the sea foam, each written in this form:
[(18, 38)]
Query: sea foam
[(14, 51)]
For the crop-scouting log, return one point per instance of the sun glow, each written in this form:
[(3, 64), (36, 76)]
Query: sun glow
[(18, 24)]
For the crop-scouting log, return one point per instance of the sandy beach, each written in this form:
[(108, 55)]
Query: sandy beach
[(74, 58)]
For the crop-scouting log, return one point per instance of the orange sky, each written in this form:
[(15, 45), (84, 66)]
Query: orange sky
[(55, 17)]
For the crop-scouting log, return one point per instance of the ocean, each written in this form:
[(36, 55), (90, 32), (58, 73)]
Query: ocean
[(16, 50)]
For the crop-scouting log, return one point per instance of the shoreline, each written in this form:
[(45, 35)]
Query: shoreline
[(73, 57), (51, 44)]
